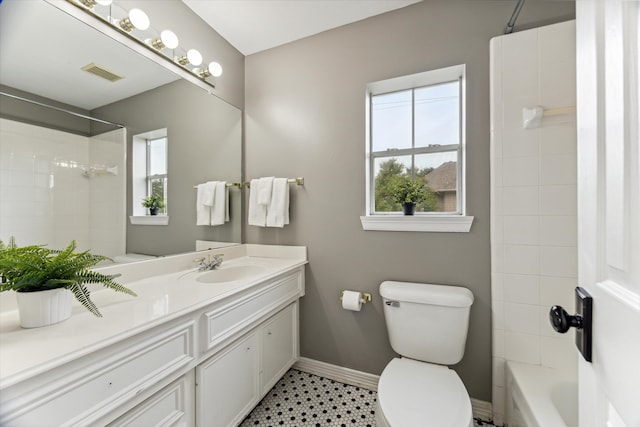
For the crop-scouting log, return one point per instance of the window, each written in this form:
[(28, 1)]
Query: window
[(157, 169), (416, 133), (149, 175)]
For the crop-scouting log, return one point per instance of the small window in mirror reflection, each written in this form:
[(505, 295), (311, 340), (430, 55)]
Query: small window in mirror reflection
[(157, 170), (149, 172)]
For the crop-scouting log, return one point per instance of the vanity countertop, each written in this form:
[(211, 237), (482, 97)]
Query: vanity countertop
[(167, 288)]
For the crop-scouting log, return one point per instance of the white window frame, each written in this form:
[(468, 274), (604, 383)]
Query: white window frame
[(427, 221), (140, 179)]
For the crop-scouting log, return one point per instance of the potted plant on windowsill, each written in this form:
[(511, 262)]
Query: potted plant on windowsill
[(45, 279), (153, 202), (408, 193)]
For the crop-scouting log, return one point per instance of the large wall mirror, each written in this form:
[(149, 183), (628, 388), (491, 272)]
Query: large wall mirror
[(65, 177)]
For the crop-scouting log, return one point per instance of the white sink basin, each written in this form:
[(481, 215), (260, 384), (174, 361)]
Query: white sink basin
[(230, 273)]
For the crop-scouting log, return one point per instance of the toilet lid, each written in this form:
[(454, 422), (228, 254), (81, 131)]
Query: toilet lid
[(413, 393)]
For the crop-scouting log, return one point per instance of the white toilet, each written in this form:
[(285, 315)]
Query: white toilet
[(427, 326)]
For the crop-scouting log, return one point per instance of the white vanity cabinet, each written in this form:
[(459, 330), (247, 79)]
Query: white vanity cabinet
[(280, 346), (228, 384), (207, 365)]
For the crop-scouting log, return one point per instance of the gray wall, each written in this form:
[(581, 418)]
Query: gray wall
[(205, 138), (26, 112), (304, 113)]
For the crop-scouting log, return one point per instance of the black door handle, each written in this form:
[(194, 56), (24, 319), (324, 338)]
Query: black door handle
[(561, 321)]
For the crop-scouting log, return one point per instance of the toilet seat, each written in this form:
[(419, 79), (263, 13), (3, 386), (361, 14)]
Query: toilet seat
[(413, 393)]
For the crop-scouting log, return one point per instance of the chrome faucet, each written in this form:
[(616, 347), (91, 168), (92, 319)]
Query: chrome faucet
[(209, 263)]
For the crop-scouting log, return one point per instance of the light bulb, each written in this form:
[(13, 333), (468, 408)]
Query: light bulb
[(137, 18), (169, 39), (194, 57), (215, 69)]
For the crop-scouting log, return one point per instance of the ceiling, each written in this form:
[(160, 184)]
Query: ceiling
[(255, 25)]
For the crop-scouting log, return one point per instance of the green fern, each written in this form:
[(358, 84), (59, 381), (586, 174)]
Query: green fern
[(36, 268)]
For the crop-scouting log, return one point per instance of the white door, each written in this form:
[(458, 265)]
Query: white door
[(609, 208)]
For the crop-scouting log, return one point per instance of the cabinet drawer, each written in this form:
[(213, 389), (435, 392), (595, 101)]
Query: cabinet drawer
[(227, 319), (100, 384), (171, 406)]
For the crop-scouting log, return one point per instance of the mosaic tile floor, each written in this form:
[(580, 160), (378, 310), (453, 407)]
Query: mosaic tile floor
[(301, 399)]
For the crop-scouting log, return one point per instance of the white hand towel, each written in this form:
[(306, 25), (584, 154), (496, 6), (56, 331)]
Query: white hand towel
[(219, 210), (278, 210), (257, 212), (265, 187), (204, 200), (208, 193)]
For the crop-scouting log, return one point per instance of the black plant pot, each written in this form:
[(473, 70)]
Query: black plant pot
[(408, 208), (153, 211)]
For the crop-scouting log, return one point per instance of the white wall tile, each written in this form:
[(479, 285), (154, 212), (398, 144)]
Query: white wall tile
[(521, 288), (558, 291), (559, 353), (520, 75), (498, 371), (520, 259), (523, 318), (558, 230), (558, 169), (520, 171), (558, 200), (558, 140), (497, 311), (521, 347), (497, 344), (521, 230), (519, 142), (520, 200), (497, 287), (559, 261), (557, 47), (497, 229)]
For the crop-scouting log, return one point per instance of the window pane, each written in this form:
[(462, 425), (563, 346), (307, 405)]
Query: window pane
[(438, 114), (158, 187), (391, 121), (387, 172), (158, 156), (440, 172)]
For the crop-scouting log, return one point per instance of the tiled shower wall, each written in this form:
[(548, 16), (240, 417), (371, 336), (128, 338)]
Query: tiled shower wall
[(46, 198), (533, 200)]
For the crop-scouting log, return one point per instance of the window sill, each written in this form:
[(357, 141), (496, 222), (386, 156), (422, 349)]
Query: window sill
[(149, 220), (437, 224)]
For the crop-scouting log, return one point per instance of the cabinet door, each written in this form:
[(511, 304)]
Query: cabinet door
[(171, 406), (227, 384), (279, 345)]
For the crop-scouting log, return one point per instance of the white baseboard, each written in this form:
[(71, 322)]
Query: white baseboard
[(338, 373), (481, 409)]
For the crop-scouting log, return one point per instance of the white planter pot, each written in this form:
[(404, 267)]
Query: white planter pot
[(44, 308)]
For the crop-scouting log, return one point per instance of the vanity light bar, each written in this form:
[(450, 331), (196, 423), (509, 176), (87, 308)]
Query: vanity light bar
[(138, 19)]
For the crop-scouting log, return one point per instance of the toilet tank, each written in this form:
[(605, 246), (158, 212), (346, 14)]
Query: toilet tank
[(427, 322)]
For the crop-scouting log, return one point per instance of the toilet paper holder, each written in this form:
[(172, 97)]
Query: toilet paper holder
[(365, 297)]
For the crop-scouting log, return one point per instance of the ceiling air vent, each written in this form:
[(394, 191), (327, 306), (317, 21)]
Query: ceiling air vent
[(101, 71)]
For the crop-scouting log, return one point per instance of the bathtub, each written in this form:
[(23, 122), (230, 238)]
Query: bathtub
[(541, 397)]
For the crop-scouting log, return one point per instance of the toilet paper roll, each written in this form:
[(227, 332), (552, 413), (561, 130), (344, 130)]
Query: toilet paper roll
[(352, 300)]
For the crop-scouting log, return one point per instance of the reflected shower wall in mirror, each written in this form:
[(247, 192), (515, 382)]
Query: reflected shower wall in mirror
[(204, 134)]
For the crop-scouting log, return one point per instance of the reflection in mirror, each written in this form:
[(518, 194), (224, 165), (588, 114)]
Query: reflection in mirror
[(64, 177)]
